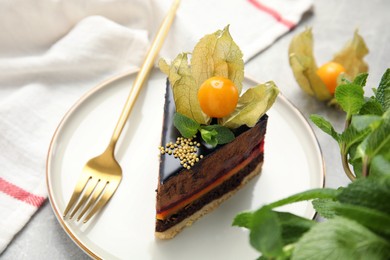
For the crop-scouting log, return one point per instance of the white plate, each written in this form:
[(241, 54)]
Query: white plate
[(124, 229)]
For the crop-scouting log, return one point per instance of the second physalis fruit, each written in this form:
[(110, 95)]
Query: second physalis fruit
[(329, 73), (218, 97), (322, 81)]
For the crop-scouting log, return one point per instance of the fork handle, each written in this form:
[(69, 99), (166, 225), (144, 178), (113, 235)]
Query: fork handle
[(143, 73)]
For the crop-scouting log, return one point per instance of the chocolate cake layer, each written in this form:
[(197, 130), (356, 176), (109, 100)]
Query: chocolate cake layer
[(227, 186)]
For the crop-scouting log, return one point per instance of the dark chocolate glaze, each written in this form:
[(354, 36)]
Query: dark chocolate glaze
[(170, 166)]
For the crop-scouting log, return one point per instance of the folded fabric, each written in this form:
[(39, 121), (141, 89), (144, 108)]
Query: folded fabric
[(51, 52)]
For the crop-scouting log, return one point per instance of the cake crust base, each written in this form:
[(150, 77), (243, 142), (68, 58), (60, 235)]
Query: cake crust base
[(173, 231)]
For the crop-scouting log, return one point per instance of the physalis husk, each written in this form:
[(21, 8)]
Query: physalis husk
[(304, 66), (216, 55)]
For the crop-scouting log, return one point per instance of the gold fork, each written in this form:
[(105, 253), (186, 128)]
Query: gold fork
[(102, 175)]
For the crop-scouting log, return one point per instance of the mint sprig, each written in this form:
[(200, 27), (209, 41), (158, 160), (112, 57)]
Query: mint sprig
[(365, 141), (211, 134), (358, 225), (186, 126), (357, 217)]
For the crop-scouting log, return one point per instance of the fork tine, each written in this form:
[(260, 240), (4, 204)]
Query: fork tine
[(107, 194), (80, 185), (90, 186), (94, 197)]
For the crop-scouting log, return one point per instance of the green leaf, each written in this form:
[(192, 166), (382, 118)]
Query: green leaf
[(218, 55), (371, 107), (368, 192), (362, 122), (211, 134), (186, 126), (304, 66), (224, 134), (357, 166), (293, 227), (324, 193), (340, 238), (243, 219), (377, 141), (361, 79), (373, 219), (361, 126), (325, 207), (252, 105), (356, 163), (351, 136), (209, 137), (266, 233), (350, 97), (325, 126), (351, 56), (383, 91), (380, 165)]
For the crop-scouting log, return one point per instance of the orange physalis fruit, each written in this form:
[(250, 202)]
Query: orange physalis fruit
[(218, 97), (329, 73)]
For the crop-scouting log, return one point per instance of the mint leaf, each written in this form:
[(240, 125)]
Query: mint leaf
[(369, 192), (209, 136), (293, 227), (325, 207), (371, 106), (350, 97), (356, 163), (244, 219), (224, 134), (352, 136), (361, 122), (380, 165), (383, 91), (340, 238), (186, 126), (373, 219), (266, 232), (377, 141), (325, 126), (361, 79)]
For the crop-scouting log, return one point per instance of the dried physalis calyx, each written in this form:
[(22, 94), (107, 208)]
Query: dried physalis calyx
[(322, 81)]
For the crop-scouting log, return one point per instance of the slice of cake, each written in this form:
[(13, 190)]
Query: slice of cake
[(184, 195), (212, 139)]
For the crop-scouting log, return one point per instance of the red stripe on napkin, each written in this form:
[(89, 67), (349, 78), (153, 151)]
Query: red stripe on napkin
[(20, 194), (273, 13)]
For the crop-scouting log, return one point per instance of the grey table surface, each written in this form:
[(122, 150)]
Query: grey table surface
[(333, 23)]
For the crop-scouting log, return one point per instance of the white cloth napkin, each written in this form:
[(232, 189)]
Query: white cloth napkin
[(53, 51)]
